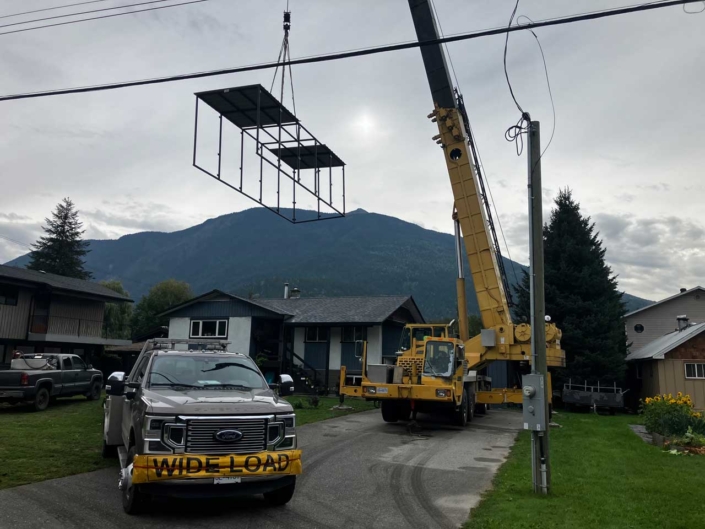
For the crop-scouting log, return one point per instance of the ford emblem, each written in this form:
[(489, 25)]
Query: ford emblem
[(228, 436)]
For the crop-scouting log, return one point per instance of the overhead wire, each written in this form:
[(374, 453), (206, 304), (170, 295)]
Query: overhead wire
[(101, 17), (344, 54), (79, 13), (53, 8)]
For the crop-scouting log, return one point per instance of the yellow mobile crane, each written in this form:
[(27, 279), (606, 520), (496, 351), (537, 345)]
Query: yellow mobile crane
[(437, 370)]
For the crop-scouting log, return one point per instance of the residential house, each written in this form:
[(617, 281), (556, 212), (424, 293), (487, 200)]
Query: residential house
[(312, 335), (48, 313), (671, 363), (653, 321)]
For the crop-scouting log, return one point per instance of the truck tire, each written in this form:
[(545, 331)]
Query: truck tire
[(94, 391), (460, 416), (390, 411), (280, 496), (41, 399), (134, 501), (404, 412), (108, 451)]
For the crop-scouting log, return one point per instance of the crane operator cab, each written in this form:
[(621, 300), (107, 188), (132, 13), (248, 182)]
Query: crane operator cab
[(440, 359)]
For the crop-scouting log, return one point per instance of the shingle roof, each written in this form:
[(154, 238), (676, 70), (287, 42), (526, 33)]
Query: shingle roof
[(665, 300), (660, 346), (354, 309), (66, 284)]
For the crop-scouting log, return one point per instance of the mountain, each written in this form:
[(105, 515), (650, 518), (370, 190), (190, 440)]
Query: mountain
[(254, 252)]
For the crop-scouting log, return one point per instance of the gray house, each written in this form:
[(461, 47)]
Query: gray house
[(312, 337), (48, 313), (653, 321)]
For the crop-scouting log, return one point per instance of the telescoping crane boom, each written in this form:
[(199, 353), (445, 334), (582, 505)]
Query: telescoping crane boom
[(434, 369)]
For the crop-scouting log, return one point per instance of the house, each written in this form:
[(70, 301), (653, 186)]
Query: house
[(653, 321), (671, 363), (49, 313), (314, 336)]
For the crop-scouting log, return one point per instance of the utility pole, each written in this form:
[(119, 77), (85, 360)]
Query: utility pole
[(540, 465)]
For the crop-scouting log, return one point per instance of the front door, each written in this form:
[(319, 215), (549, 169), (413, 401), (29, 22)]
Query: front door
[(68, 376), (83, 376)]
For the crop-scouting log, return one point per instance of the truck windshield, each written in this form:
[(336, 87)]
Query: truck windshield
[(200, 372), (439, 359)]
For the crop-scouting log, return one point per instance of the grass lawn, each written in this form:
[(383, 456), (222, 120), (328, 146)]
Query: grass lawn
[(66, 438), (603, 475), (63, 440)]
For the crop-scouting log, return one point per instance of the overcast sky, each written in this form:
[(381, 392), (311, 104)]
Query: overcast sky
[(628, 94)]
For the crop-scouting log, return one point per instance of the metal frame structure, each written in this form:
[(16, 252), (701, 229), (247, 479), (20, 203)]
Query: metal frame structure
[(282, 142)]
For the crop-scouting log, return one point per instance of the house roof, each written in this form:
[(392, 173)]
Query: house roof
[(656, 349), (353, 309), (665, 300), (61, 283), (323, 310)]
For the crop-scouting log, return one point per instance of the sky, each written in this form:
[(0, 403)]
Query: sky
[(627, 93)]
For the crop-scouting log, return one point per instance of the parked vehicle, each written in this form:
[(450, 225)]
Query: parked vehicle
[(43, 377), (593, 397), (201, 422)]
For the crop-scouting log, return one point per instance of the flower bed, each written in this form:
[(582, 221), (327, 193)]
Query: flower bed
[(673, 423)]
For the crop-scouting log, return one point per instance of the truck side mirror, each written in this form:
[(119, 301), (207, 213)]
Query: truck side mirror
[(286, 385), (115, 384)]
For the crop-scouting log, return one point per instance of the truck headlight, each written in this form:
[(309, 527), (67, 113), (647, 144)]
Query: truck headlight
[(287, 432), (370, 390), (152, 426), (442, 393)]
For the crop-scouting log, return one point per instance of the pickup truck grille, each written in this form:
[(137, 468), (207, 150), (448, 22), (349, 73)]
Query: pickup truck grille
[(200, 436)]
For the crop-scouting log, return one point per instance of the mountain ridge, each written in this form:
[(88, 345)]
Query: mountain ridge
[(253, 253)]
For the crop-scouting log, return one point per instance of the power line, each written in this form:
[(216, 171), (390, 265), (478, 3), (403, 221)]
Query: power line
[(101, 17), (53, 8), (347, 54), (82, 13)]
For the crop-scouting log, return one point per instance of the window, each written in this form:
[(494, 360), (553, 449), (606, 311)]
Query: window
[(209, 328), (353, 334), (439, 359), (67, 364), (316, 334), (638, 370), (639, 328), (224, 372), (8, 295), (78, 363), (695, 370)]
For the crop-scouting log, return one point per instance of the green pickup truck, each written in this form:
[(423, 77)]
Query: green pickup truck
[(43, 377)]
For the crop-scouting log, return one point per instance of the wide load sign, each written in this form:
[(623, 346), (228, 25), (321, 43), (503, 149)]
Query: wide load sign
[(150, 468)]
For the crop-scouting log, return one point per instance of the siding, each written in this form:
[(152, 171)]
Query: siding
[(672, 379), (315, 354), (391, 336), (335, 348), (661, 319), (14, 319)]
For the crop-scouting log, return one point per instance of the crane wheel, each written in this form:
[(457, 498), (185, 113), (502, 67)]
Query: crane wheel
[(390, 411)]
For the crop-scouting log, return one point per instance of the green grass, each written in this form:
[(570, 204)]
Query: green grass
[(66, 438), (308, 414), (603, 475), (63, 440)]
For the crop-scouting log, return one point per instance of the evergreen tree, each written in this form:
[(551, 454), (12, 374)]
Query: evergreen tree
[(159, 298), (118, 316), (62, 250), (581, 296)]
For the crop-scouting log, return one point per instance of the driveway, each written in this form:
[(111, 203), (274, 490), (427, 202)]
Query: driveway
[(357, 472)]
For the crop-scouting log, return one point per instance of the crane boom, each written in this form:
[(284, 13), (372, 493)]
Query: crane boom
[(471, 214)]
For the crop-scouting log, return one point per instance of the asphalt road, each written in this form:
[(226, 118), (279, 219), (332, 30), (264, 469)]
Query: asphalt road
[(357, 472)]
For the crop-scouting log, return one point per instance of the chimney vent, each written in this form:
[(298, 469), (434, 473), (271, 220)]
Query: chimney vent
[(286, 290), (683, 290), (682, 322), (295, 293)]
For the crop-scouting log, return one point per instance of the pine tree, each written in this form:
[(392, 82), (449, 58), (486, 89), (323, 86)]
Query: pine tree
[(62, 250), (581, 296)]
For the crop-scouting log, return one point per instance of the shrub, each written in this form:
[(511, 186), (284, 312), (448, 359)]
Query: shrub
[(671, 416), (297, 404), (690, 438)]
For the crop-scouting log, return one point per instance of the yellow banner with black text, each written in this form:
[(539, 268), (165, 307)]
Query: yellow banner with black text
[(148, 468)]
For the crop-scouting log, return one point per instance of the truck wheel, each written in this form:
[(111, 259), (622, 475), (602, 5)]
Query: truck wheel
[(94, 392), (108, 451), (133, 500), (471, 407), (41, 399), (460, 416), (390, 411), (404, 413), (280, 496)]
